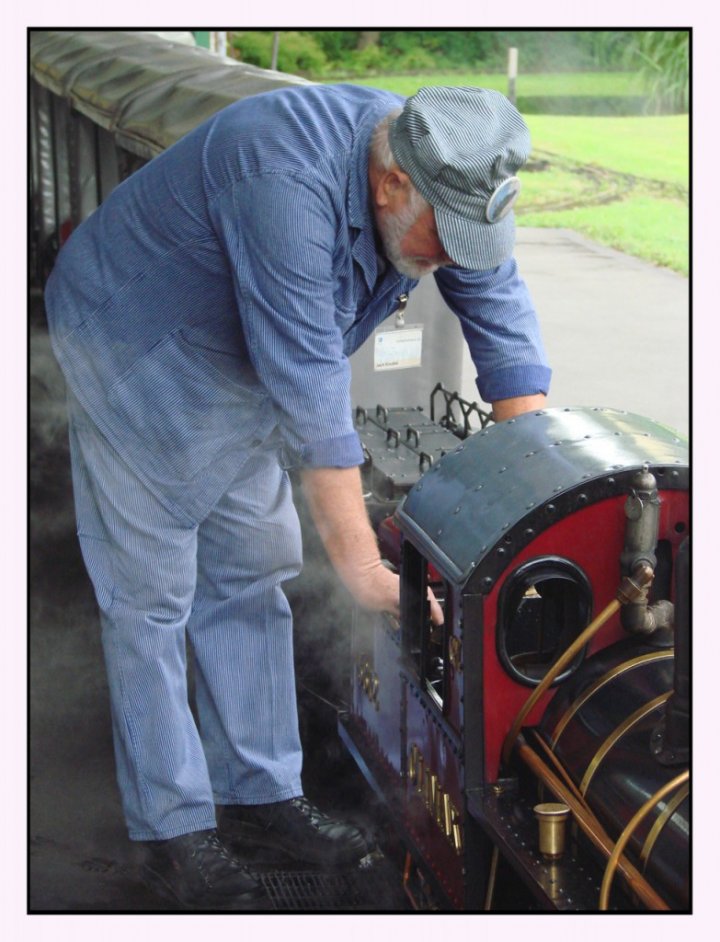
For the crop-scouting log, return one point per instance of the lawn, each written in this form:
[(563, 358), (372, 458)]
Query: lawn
[(599, 84), (622, 181)]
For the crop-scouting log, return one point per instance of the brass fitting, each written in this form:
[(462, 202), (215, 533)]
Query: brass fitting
[(634, 588)]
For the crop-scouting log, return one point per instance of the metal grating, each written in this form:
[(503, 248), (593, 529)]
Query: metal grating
[(320, 891)]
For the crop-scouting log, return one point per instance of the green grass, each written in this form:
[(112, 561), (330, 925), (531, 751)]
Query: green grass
[(656, 230), (649, 214), (622, 181), (654, 148), (600, 84)]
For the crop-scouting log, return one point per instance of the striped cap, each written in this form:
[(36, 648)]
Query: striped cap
[(461, 148)]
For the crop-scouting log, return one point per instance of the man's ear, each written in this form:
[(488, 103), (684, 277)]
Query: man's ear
[(391, 188)]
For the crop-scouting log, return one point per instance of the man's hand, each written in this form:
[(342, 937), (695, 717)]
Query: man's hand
[(334, 496)]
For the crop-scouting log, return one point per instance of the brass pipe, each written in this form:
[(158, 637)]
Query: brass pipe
[(491, 879), (628, 591), (637, 818), (662, 819), (554, 671), (590, 826)]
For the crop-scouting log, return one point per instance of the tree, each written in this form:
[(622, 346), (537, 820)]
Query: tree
[(664, 63), (368, 37)]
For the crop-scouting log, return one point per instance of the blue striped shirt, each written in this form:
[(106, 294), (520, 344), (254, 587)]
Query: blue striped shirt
[(240, 266)]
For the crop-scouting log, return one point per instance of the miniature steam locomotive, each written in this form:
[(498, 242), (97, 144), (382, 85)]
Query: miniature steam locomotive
[(542, 731)]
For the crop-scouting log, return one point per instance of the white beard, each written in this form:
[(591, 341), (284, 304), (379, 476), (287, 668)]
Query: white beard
[(393, 228)]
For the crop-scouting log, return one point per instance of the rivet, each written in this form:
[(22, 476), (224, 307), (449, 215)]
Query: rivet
[(457, 510), (487, 582), (501, 551), (550, 509), (582, 499), (529, 532)]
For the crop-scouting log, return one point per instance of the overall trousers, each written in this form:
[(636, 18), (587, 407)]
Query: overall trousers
[(215, 584)]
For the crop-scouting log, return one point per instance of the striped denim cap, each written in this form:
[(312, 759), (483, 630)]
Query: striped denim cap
[(461, 148)]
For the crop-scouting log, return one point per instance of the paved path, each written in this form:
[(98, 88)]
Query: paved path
[(616, 328)]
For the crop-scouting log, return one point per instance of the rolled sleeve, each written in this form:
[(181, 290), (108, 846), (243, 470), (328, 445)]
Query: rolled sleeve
[(501, 328), (280, 231)]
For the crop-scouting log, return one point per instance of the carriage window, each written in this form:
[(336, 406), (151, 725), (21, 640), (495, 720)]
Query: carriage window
[(543, 606)]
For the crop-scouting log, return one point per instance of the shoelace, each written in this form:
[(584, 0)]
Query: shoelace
[(213, 856), (306, 808)]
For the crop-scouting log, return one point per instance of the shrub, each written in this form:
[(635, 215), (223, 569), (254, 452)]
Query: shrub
[(298, 53)]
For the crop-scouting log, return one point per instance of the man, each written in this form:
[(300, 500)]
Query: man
[(203, 317)]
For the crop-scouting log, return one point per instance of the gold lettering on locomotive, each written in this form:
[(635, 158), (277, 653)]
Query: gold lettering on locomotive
[(369, 682), (437, 801)]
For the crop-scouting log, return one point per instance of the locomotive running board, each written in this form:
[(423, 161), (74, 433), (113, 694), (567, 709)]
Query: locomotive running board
[(562, 886)]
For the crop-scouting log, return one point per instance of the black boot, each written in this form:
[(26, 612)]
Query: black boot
[(294, 826), (198, 869)]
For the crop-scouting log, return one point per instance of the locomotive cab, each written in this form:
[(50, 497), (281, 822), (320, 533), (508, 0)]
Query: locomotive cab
[(552, 542)]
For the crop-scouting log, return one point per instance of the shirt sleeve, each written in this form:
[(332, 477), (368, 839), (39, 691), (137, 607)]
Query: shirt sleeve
[(280, 232), (501, 328)]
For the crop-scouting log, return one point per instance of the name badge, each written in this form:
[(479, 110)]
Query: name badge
[(401, 348)]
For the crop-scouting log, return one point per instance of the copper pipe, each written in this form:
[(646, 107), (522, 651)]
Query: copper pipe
[(406, 880), (637, 818), (560, 768), (590, 826)]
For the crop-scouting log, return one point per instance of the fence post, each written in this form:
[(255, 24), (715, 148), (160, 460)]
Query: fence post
[(512, 72), (275, 50)]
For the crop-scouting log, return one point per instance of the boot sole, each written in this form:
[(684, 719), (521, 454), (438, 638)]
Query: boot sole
[(248, 836), (160, 887)]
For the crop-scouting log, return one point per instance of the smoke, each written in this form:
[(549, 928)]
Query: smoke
[(51, 507)]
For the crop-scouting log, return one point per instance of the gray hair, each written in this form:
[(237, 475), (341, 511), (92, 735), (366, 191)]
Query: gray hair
[(381, 154)]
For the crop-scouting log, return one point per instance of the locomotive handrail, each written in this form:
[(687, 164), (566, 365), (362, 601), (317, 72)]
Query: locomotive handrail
[(637, 818)]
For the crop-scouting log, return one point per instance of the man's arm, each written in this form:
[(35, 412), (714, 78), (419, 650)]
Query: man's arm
[(335, 499), (501, 328), (509, 408)]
